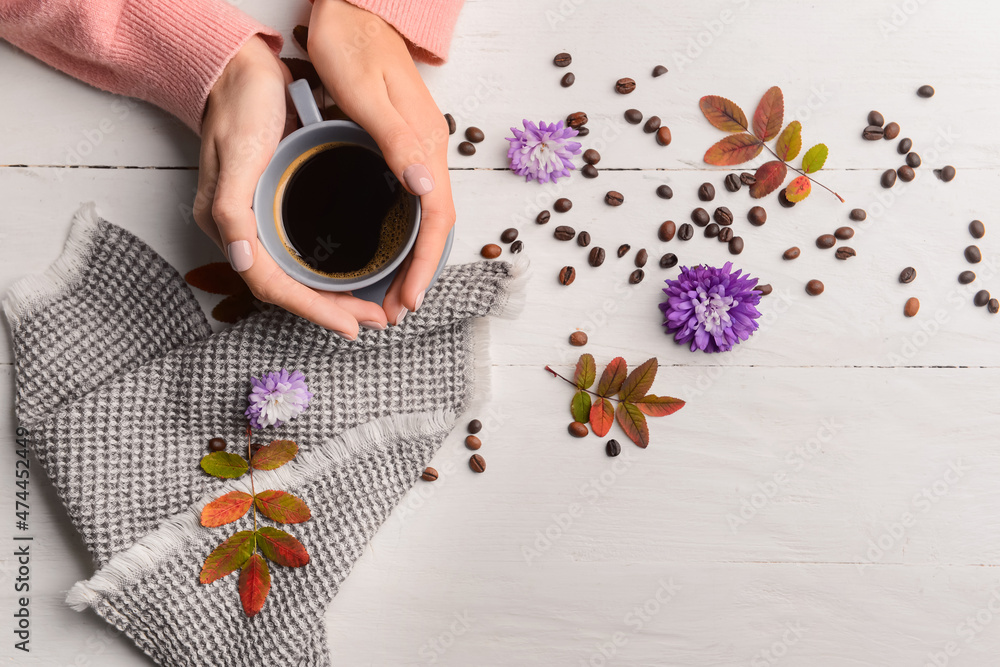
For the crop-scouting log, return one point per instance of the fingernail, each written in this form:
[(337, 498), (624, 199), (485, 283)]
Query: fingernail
[(418, 179), (402, 314), (343, 335), (420, 300), (372, 324), (240, 255)]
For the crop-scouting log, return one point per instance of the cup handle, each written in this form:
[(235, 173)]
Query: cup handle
[(305, 103)]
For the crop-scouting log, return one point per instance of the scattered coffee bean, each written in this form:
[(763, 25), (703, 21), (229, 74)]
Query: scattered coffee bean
[(624, 86), (475, 426), (888, 178), (747, 179), (473, 442), (791, 253), (564, 233), (973, 255), (474, 134), (977, 229), (562, 205), (659, 70), (578, 339), (562, 60), (668, 261), (872, 133), (966, 277), (577, 119), (685, 232), (906, 173), (596, 257), (641, 258), (491, 251), (764, 289), (723, 216), (946, 174), (466, 148), (589, 171), (736, 245), (216, 445), (699, 216), (904, 146), (925, 91), (845, 252), (613, 448), (613, 198), (509, 235), (911, 307), (844, 233), (814, 287), (578, 429), (712, 230), (516, 247), (783, 199), (757, 216), (913, 159), (982, 298), (891, 131), (567, 275), (875, 118), (567, 80), (652, 125), (706, 192), (663, 136), (667, 230), (590, 156), (543, 217), (636, 277), (907, 275), (429, 474), (583, 239), (726, 235), (993, 306), (732, 182), (664, 192), (582, 131), (826, 241), (858, 214), (452, 126), (477, 463), (633, 116), (623, 249)]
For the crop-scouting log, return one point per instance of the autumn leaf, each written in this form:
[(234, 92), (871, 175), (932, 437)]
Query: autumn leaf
[(658, 406), (274, 455), (301, 35), (281, 547), (228, 556), (769, 115), (303, 69), (225, 509), (723, 114), (334, 112), (734, 149), (602, 416), (798, 189), (639, 381), (586, 371), (255, 583), (282, 507), (613, 377), (224, 464), (633, 422), (815, 158), (216, 278), (770, 176), (580, 406), (790, 142)]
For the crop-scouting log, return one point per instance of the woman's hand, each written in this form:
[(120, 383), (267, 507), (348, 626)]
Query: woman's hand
[(366, 67), (245, 119)]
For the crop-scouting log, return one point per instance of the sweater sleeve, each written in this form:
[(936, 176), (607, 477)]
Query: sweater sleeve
[(169, 53), (427, 25)]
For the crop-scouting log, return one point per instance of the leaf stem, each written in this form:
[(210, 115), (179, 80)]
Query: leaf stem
[(253, 491), (592, 393)]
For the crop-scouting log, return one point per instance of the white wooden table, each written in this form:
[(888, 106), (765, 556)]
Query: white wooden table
[(835, 425)]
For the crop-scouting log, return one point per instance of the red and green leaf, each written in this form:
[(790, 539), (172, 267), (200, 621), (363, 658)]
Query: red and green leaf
[(658, 406), (228, 557), (639, 381), (226, 509), (580, 406), (633, 422), (586, 371), (613, 377), (734, 149), (790, 142), (281, 548), (798, 189), (769, 115), (602, 416), (723, 114), (255, 583), (216, 278), (815, 158), (770, 176), (274, 455), (282, 507), (224, 464)]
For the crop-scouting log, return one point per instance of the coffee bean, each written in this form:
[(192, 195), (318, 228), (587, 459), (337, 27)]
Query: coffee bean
[(473, 442), (747, 179), (736, 245), (429, 474), (477, 463), (723, 216), (590, 156), (966, 277), (891, 131), (906, 173), (582, 131), (904, 146), (509, 235), (668, 261), (613, 198), (452, 126), (636, 277), (685, 232), (589, 171), (567, 80), (578, 430), (583, 239), (977, 229), (888, 178), (567, 275), (712, 230), (475, 426), (491, 251), (564, 233), (791, 253), (652, 125), (946, 174), (596, 256), (623, 249), (543, 217), (726, 235), (699, 216), (814, 287), (474, 134), (641, 258), (706, 192), (783, 199), (844, 252), (826, 241), (872, 133), (664, 192), (858, 214), (973, 255), (624, 86), (757, 216), (466, 148), (216, 445), (613, 448), (663, 136), (667, 230), (577, 119), (993, 306), (764, 289), (516, 247), (659, 70), (633, 116), (913, 160), (982, 298), (925, 91), (578, 339), (562, 205), (844, 233), (562, 60), (875, 118), (733, 183), (911, 307)]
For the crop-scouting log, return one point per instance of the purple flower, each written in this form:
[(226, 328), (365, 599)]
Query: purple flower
[(276, 398), (542, 152), (711, 308)]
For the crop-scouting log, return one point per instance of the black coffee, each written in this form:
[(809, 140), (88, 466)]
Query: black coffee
[(343, 212)]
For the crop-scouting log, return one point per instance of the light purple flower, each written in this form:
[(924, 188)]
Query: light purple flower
[(276, 398), (713, 309), (542, 152)]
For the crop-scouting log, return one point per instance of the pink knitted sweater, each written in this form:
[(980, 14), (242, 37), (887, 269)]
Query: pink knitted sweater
[(171, 52)]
